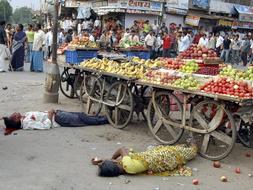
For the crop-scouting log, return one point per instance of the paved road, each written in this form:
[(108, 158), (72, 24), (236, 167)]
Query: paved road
[(59, 159)]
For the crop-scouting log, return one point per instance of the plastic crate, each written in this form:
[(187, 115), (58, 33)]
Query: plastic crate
[(140, 54), (77, 56)]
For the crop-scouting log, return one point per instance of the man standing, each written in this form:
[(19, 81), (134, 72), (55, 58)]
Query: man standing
[(245, 49), (203, 41), (30, 38), (150, 42), (49, 42), (166, 44), (37, 54), (219, 43), (225, 49), (3, 48)]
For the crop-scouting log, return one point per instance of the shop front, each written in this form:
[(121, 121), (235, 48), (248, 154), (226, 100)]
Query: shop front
[(176, 11)]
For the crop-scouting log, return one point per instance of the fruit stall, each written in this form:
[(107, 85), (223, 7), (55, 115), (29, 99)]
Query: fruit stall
[(173, 95), (134, 49)]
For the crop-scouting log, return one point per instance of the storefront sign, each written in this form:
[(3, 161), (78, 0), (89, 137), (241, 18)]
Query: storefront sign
[(99, 4), (246, 25), (177, 6), (225, 23), (245, 13), (70, 3), (202, 4), (192, 20), (144, 5)]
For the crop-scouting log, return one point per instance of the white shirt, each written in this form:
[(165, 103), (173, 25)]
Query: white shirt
[(203, 42), (37, 120), (86, 25), (49, 38), (150, 40), (91, 38), (67, 24), (79, 28), (39, 40), (184, 43), (219, 41), (97, 23)]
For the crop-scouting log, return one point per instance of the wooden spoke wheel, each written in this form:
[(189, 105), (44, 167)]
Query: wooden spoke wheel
[(120, 115), (78, 85), (67, 83), (218, 143), (91, 87), (165, 106)]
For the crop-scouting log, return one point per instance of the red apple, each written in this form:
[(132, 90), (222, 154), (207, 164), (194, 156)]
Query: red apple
[(195, 182)]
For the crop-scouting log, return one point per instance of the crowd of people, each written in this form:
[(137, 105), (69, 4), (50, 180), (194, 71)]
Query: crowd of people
[(34, 44)]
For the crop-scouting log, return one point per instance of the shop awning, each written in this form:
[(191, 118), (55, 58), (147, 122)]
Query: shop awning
[(221, 7), (243, 9)]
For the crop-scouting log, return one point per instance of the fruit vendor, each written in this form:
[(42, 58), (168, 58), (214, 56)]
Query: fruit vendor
[(159, 160), (51, 119)]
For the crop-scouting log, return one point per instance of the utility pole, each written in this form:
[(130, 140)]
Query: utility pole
[(52, 83)]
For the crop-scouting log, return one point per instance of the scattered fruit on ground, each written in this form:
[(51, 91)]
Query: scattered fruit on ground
[(216, 164), (224, 179), (186, 82), (230, 87), (189, 67), (248, 155), (237, 170), (195, 181)]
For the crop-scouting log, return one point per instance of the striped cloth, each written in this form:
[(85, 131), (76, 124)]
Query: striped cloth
[(37, 61)]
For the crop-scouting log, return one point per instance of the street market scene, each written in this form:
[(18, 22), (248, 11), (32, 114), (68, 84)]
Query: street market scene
[(126, 94)]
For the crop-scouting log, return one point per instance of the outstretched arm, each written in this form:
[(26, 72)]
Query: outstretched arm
[(120, 153)]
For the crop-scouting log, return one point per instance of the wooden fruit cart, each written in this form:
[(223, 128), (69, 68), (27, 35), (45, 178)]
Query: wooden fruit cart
[(209, 118), (213, 119)]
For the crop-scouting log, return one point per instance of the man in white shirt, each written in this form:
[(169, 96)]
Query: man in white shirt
[(37, 53), (184, 42), (97, 23), (50, 119), (203, 41), (86, 25), (150, 42), (219, 43)]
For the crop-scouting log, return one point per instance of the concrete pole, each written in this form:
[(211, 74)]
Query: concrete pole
[(52, 83)]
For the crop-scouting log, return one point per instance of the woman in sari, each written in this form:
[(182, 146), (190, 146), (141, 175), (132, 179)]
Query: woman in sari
[(18, 49), (160, 160)]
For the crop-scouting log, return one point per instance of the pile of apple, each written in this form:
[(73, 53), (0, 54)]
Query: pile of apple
[(174, 64), (186, 82), (159, 77), (229, 87), (189, 67), (233, 73), (196, 52)]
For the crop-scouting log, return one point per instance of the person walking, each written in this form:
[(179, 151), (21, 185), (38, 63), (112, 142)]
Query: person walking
[(225, 49), (235, 50), (30, 38), (18, 49), (245, 49), (4, 50), (37, 53)]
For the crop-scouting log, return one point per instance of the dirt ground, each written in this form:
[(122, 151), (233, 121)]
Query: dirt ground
[(59, 159)]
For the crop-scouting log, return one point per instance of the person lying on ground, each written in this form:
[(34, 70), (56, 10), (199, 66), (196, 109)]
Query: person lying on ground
[(160, 160), (50, 119)]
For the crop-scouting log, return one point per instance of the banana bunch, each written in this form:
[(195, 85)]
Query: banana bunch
[(149, 63), (128, 69)]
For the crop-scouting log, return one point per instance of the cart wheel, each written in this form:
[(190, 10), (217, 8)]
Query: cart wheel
[(159, 111), (67, 84), (217, 144), (78, 85), (92, 88), (119, 116)]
